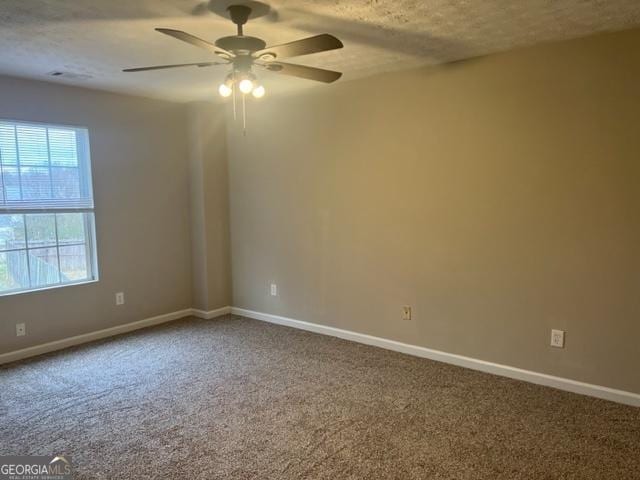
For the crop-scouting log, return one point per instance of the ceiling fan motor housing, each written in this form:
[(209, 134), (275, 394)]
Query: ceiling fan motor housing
[(241, 44), (242, 63)]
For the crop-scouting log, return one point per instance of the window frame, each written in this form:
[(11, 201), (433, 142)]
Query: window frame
[(83, 151)]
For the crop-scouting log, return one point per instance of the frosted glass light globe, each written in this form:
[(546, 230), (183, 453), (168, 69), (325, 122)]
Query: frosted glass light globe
[(224, 90), (246, 86), (259, 91)]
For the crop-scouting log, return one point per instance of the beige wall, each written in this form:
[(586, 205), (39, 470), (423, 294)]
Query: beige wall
[(211, 260), (499, 197), (141, 189)]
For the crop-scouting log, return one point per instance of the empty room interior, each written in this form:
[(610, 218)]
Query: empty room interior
[(346, 239)]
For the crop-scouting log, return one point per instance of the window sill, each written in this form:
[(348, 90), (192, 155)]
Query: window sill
[(49, 287)]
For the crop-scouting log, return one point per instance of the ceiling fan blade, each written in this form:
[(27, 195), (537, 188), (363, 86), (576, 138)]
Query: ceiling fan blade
[(302, 71), (160, 67), (198, 42), (319, 43)]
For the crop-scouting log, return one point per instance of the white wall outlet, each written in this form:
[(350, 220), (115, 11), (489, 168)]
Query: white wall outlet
[(21, 329), (120, 298), (406, 312), (557, 338), (274, 290)]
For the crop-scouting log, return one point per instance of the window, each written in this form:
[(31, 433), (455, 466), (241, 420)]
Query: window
[(46, 207)]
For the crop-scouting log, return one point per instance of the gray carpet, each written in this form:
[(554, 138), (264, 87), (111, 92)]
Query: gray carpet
[(236, 398)]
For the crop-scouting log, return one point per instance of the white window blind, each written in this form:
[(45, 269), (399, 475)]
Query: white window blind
[(46, 207), (44, 167)]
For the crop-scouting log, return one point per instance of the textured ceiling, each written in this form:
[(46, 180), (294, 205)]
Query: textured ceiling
[(97, 38)]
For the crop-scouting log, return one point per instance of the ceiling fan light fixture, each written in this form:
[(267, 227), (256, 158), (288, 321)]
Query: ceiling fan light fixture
[(242, 52)]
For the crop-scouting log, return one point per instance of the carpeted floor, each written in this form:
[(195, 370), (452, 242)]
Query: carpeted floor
[(236, 398)]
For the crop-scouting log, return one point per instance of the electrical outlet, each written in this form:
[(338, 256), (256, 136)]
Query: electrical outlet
[(274, 290), (21, 330), (406, 312), (557, 338), (120, 298)]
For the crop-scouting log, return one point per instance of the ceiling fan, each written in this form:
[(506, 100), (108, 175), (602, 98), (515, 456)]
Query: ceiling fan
[(244, 52)]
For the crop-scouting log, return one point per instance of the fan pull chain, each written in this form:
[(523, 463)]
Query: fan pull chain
[(244, 116), (234, 96)]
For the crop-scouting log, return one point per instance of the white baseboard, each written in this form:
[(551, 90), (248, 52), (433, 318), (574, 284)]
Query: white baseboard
[(109, 332), (208, 315), (560, 383)]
